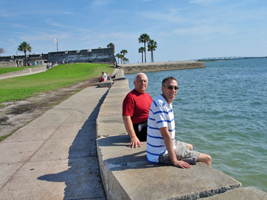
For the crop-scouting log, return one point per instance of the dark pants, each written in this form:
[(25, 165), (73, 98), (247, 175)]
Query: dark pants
[(143, 132)]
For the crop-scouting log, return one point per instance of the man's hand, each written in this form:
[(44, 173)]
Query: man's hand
[(181, 164), (169, 145), (130, 130), (135, 142)]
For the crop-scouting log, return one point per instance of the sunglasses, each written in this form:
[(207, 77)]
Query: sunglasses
[(173, 87)]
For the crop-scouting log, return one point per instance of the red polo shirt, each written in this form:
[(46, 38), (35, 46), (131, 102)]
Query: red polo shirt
[(137, 106)]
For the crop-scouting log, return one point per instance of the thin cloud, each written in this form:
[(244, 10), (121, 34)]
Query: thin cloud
[(56, 24), (204, 30), (172, 16), (205, 1), (100, 3), (43, 37)]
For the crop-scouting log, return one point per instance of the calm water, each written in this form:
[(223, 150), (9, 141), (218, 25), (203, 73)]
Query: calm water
[(222, 111)]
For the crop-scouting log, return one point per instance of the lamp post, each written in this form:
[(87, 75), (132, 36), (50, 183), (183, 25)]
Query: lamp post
[(56, 41)]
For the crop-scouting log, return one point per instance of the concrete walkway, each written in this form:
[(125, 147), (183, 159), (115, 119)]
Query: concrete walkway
[(54, 156)]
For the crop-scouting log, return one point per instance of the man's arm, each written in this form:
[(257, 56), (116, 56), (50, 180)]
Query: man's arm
[(130, 130), (168, 143)]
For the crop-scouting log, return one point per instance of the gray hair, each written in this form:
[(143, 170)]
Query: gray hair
[(139, 75)]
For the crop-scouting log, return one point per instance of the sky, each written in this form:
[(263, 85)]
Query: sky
[(183, 29)]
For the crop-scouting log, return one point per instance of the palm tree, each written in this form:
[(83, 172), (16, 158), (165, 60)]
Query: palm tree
[(152, 45), (2, 50), (144, 38), (141, 50), (24, 46), (123, 52), (121, 57), (125, 60), (110, 45), (118, 56)]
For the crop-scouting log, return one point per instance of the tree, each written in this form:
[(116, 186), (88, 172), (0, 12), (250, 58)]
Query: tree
[(152, 45), (118, 56), (2, 50), (110, 45), (125, 60), (144, 38), (123, 52), (24, 46), (121, 57), (141, 50)]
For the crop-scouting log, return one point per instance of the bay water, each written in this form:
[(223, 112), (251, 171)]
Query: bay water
[(222, 111)]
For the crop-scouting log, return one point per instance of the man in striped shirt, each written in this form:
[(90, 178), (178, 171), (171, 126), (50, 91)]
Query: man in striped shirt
[(161, 144)]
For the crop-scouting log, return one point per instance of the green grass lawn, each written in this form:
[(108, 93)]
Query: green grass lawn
[(4, 70), (18, 88)]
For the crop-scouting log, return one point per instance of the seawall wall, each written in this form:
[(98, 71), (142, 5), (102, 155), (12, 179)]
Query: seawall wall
[(160, 66), (126, 173), (23, 72)]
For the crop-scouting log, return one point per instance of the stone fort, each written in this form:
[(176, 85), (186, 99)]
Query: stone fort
[(100, 55)]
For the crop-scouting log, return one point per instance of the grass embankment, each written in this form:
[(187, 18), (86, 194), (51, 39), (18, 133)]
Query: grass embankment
[(57, 77), (4, 70)]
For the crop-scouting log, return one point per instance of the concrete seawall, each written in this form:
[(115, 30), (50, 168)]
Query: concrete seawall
[(23, 72), (126, 173), (160, 66)]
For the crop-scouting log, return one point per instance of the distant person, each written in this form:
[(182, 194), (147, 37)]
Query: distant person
[(161, 144), (135, 111), (105, 76), (115, 64), (47, 66), (102, 79)]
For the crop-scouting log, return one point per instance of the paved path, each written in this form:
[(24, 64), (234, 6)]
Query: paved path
[(54, 156)]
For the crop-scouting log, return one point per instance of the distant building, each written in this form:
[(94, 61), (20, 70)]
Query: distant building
[(37, 61), (100, 55)]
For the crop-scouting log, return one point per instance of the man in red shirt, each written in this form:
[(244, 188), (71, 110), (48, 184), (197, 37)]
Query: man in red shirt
[(135, 110)]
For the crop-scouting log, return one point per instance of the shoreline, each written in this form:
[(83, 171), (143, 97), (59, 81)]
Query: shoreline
[(123, 169), (160, 66)]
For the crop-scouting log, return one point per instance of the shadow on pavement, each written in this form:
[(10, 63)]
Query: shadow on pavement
[(83, 178)]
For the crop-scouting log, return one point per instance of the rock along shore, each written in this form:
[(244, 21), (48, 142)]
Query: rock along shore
[(160, 66)]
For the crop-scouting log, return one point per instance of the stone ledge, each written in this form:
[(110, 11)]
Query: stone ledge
[(133, 177), (23, 72), (126, 173), (241, 193), (160, 66), (107, 83)]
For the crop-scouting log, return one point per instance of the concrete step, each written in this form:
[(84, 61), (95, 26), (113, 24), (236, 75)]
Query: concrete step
[(126, 173)]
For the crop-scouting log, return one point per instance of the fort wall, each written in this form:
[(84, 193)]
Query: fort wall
[(104, 55), (101, 55)]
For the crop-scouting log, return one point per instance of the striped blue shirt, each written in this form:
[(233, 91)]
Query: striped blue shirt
[(160, 115)]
